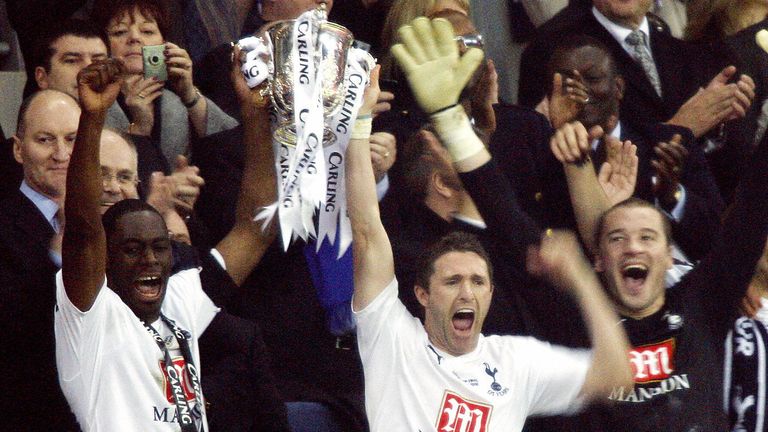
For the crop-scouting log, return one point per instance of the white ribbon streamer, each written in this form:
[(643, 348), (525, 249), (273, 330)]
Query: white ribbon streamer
[(334, 205)]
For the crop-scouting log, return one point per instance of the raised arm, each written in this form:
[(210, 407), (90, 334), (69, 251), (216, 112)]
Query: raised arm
[(84, 247), (374, 266), (559, 259), (245, 244), (592, 195)]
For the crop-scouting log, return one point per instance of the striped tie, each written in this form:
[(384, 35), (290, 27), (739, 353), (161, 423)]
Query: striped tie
[(637, 41)]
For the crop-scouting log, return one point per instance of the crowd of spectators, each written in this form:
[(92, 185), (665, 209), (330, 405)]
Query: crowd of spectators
[(589, 257)]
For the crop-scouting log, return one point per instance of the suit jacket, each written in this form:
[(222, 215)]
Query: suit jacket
[(175, 131), (681, 67), (12, 171), (521, 148), (28, 355)]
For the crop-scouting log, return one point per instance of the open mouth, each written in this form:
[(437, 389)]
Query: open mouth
[(634, 276), (463, 320), (149, 287)]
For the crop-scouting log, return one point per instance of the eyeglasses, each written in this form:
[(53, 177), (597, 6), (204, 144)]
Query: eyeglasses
[(123, 178), (472, 40)]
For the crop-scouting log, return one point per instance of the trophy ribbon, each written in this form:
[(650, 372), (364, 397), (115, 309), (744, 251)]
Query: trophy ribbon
[(257, 63), (332, 214), (308, 120)]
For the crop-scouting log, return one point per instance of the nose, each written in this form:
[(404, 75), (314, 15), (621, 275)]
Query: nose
[(134, 35), (63, 150), (110, 184), (465, 291), (634, 245), (149, 255)]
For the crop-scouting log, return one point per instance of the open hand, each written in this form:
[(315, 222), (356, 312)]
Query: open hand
[(668, 167), (618, 174), (429, 56), (567, 102), (717, 103)]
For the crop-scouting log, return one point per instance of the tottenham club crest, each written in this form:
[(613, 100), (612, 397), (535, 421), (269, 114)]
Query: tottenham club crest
[(496, 388)]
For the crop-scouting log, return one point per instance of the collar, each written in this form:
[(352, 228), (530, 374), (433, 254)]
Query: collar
[(440, 357), (47, 206), (470, 221), (616, 133), (619, 32)]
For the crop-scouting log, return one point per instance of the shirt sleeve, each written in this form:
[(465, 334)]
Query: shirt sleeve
[(186, 300), (379, 324), (556, 376), (75, 329)]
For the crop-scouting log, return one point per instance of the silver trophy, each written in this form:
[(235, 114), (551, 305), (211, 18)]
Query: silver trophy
[(334, 42)]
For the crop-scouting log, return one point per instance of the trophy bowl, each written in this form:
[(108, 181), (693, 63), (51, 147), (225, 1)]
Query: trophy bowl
[(334, 42)]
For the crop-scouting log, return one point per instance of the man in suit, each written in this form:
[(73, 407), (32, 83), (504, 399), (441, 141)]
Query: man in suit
[(661, 73), (28, 221)]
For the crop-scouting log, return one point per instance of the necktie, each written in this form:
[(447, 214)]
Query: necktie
[(637, 41), (58, 221)]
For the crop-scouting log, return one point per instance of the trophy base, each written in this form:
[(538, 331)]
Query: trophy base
[(287, 135)]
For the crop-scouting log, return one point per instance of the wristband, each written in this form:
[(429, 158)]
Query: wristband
[(362, 128), (455, 131), (194, 100)]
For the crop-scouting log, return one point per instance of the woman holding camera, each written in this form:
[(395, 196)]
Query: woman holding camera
[(167, 111)]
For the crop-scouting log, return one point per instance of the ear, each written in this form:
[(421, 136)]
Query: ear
[(621, 85), (598, 264), (41, 77), (439, 185), (422, 295), (17, 149)]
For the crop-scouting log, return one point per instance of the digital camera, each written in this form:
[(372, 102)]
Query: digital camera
[(154, 62)]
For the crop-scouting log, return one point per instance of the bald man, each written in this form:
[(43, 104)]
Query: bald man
[(42, 145)]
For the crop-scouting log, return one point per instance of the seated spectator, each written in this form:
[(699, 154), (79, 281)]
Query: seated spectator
[(172, 112), (459, 369)]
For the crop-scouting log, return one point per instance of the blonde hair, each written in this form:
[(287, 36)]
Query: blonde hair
[(401, 13), (724, 16)]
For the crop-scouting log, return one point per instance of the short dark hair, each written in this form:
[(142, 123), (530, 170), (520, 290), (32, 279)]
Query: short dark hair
[(27, 102), (121, 208), (629, 203), (43, 46), (457, 241), (571, 43), (418, 164), (105, 11)]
